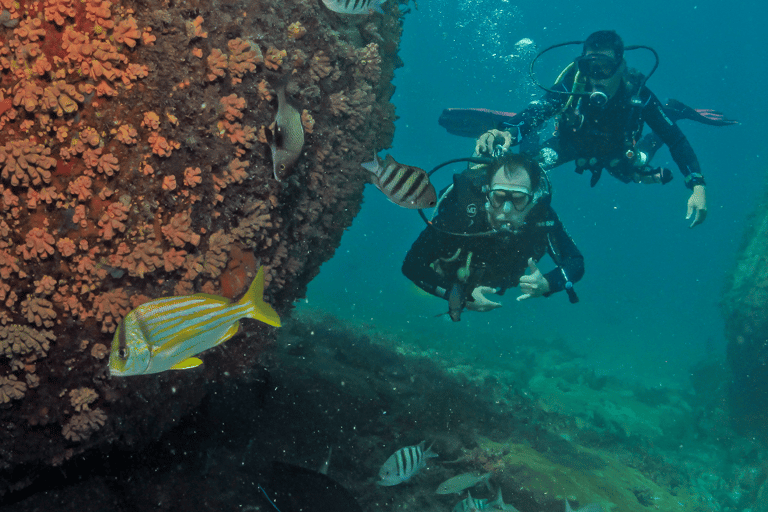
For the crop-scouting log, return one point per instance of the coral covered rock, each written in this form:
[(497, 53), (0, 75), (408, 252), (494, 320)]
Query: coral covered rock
[(133, 165)]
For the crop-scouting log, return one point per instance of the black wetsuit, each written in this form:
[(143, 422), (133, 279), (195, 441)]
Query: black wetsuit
[(498, 259), (600, 138)]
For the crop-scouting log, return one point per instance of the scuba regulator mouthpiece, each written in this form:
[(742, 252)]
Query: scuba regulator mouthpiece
[(598, 98)]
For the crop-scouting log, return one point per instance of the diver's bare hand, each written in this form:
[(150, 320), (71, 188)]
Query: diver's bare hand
[(481, 303), (487, 141), (533, 284), (697, 203)]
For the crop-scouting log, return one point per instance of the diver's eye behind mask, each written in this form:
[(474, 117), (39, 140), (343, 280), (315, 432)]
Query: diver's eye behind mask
[(518, 198), (597, 66)]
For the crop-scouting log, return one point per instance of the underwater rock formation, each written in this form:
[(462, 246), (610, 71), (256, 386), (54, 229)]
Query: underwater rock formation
[(746, 318), (134, 164)]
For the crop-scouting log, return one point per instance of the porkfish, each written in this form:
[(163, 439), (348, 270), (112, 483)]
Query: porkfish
[(166, 333), (287, 137)]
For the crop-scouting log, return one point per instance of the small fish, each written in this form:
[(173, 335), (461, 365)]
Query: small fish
[(287, 138), (404, 463), (164, 334), (354, 6), (461, 483), (472, 505), (592, 507), (456, 301), (404, 185)]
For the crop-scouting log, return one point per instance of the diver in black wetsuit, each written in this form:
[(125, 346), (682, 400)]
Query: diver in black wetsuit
[(492, 224), (600, 125)]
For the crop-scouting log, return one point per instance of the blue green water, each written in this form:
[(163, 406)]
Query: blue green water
[(649, 298)]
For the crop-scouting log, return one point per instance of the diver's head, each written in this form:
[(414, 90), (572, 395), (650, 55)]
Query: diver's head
[(602, 64), (514, 188)]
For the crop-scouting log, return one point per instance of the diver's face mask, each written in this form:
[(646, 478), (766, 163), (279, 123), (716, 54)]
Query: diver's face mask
[(508, 205), (602, 71), (597, 66)]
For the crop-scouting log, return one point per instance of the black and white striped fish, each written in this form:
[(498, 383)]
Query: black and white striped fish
[(354, 6), (404, 185), (404, 463)]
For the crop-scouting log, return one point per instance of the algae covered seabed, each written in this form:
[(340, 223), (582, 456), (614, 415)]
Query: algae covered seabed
[(546, 426)]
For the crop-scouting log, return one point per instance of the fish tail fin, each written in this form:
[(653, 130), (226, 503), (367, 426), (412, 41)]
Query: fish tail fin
[(262, 311), (428, 452), (373, 165)]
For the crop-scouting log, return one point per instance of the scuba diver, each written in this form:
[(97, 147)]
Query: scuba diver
[(602, 107), (494, 222)]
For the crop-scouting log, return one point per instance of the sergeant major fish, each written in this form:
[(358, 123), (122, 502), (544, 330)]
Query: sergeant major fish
[(354, 6), (287, 138), (474, 505), (164, 334), (404, 185), (404, 463)]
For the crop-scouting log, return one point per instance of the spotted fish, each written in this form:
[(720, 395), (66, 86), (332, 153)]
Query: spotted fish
[(403, 464), (287, 137), (404, 185), (166, 333), (354, 6)]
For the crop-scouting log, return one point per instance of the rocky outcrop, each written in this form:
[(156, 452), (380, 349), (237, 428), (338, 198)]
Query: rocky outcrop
[(134, 164)]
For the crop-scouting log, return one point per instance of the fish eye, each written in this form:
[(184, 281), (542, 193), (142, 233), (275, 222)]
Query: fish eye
[(282, 167), (122, 352)]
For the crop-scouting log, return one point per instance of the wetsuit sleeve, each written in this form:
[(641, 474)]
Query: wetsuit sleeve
[(535, 114), (671, 134), (565, 254), (416, 267)]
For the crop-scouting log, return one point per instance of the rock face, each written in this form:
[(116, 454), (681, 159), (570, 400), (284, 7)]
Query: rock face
[(744, 305), (134, 164)]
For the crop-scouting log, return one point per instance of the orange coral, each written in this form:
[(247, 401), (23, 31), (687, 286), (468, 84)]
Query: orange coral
[(217, 64), (25, 162), (296, 30), (110, 307), (39, 244), (58, 10), (126, 134), (243, 59), (307, 121), (66, 246), (99, 351), (169, 183), (233, 106), (264, 92), (38, 311), (82, 425), (192, 177), (161, 146), (151, 121), (179, 230), (112, 220), (20, 340), (82, 398), (274, 58), (144, 258), (320, 66), (194, 28), (108, 164), (127, 31), (46, 285), (11, 388), (81, 187)]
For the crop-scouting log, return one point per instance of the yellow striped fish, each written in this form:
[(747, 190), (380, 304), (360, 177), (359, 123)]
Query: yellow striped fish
[(165, 334)]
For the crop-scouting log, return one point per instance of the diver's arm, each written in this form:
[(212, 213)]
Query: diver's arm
[(416, 266), (534, 115), (566, 256), (671, 134)]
